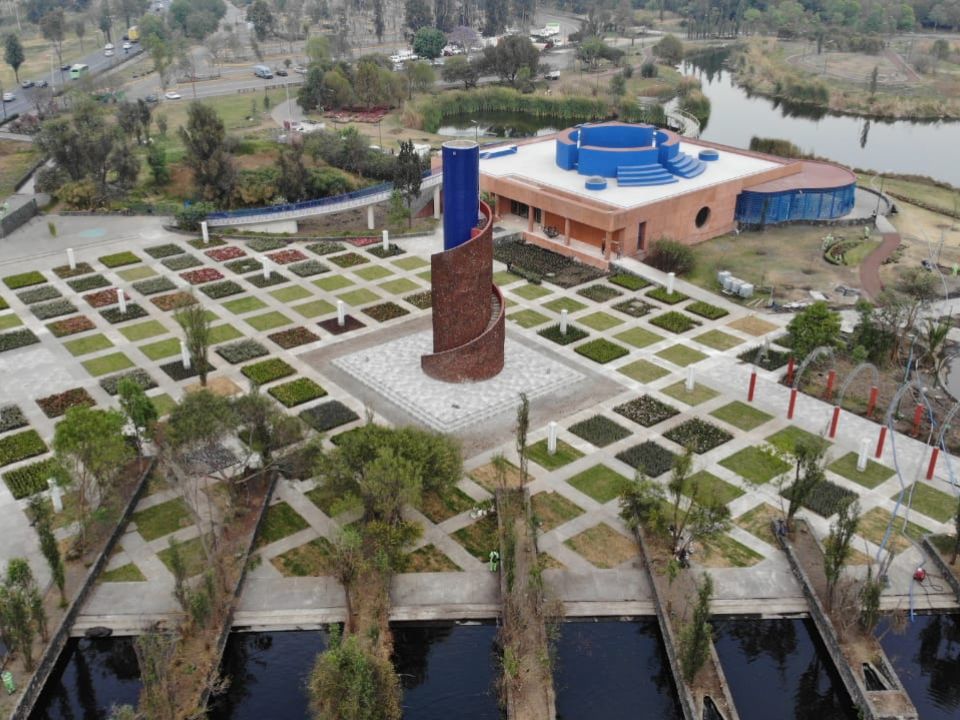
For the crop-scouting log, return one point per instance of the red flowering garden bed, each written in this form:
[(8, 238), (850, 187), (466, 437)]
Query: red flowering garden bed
[(222, 254), (282, 257), (202, 275)]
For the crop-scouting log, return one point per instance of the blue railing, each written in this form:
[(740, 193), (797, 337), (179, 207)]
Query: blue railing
[(306, 204)]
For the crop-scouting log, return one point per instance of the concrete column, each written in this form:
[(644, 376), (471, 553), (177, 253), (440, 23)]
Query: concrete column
[(370, 224), (206, 234), (436, 203), (566, 231), (563, 322), (341, 313), (122, 299), (530, 219), (552, 438), (862, 457), (71, 259), (386, 240), (607, 243)]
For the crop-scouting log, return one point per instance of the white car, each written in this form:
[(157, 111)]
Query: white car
[(108, 53), (108, 46), (172, 95), (127, 45), (9, 97)]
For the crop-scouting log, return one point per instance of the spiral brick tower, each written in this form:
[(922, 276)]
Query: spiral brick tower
[(468, 309)]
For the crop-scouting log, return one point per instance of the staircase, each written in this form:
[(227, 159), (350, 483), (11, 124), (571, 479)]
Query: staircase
[(494, 310), (643, 175), (684, 165)]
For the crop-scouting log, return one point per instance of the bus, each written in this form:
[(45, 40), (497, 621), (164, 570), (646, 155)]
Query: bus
[(78, 71), (133, 34)]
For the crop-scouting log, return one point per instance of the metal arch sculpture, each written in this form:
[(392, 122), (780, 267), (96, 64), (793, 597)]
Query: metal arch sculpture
[(941, 445), (815, 354), (762, 351), (871, 401)]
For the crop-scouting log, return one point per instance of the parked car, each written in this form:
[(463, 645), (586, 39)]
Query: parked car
[(172, 95), (151, 98), (127, 45), (9, 97), (300, 70), (64, 68), (27, 84), (108, 53), (281, 72), (108, 46), (42, 83)]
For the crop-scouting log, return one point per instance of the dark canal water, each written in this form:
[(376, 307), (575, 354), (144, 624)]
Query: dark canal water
[(779, 670), (926, 657), (498, 124)]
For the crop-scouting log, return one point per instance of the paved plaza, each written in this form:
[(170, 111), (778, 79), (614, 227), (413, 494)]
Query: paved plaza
[(639, 418)]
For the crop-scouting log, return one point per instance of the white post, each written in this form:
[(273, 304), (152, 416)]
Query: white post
[(862, 458), (71, 259), (341, 314), (122, 299), (370, 223), (266, 269), (386, 241), (563, 322), (56, 495), (670, 278), (552, 438), (184, 355), (436, 203), (206, 235), (690, 382)]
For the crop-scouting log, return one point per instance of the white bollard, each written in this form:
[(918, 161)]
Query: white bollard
[(370, 224), (206, 234), (552, 438), (690, 380), (122, 299), (862, 458), (71, 259), (56, 495), (184, 355), (563, 322), (386, 241), (670, 278), (266, 269), (341, 314)]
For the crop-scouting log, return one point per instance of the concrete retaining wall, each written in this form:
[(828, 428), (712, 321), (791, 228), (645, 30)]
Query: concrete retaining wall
[(942, 567), (18, 214)]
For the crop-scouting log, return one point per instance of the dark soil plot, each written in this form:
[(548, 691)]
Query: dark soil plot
[(550, 266)]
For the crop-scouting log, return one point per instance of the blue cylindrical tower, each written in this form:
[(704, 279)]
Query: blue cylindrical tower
[(461, 191)]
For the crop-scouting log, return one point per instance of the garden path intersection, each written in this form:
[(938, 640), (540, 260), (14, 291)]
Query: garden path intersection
[(592, 559)]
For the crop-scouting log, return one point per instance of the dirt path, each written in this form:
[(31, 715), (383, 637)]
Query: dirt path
[(870, 282)]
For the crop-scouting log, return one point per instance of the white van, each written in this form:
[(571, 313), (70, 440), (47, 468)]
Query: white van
[(262, 71)]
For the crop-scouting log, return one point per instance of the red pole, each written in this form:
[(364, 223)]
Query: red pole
[(753, 386), (790, 371), (917, 417), (872, 402), (933, 463), (831, 378), (883, 436), (793, 404), (834, 421)]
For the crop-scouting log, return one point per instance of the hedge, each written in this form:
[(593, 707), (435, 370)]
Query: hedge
[(157, 252), (552, 332), (11, 418), (113, 315), (646, 410), (599, 293), (15, 282), (91, 282), (649, 457), (119, 259), (599, 430), (294, 337), (181, 262), (628, 281), (241, 351), (385, 311), (259, 281), (670, 298), (350, 259), (151, 286), (706, 310), (21, 446), (421, 300), (17, 339), (222, 289), (633, 307), (31, 479), (243, 265), (40, 294), (53, 309), (111, 383), (325, 247), (308, 268), (826, 498), (392, 251), (297, 392), (328, 415), (176, 371), (675, 322), (698, 435), (263, 245), (601, 351), (267, 370)]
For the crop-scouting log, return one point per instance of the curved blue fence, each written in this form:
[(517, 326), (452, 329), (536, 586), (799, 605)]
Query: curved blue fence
[(757, 208)]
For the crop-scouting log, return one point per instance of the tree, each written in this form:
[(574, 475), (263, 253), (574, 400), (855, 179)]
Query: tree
[(641, 501), (521, 430), (836, 546), (378, 24), (408, 174), (940, 49), (495, 14), (105, 20), (509, 55), (874, 76), (705, 516), (318, 50), (695, 636), (155, 39), (139, 410), (397, 212), (21, 610), (420, 77), (428, 42), (205, 139), (669, 49), (266, 427), (40, 515), (52, 27), (815, 326), (13, 54), (80, 30), (348, 561), (262, 18), (157, 160), (618, 85), (956, 533), (459, 69), (417, 15), (294, 177), (90, 445), (195, 322), (155, 652), (810, 459)]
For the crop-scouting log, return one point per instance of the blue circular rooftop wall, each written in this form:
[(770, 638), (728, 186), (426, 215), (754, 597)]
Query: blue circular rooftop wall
[(709, 155)]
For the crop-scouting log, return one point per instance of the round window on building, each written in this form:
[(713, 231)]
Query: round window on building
[(702, 216)]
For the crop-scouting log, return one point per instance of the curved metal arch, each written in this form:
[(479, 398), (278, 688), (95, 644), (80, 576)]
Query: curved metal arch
[(815, 354), (945, 424), (852, 376), (898, 396)]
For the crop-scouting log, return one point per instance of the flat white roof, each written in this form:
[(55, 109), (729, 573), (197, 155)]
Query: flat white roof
[(536, 163)]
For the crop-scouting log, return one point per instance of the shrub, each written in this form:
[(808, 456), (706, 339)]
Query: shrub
[(552, 332), (20, 446), (648, 70), (228, 252), (601, 351), (308, 268), (267, 370), (328, 415), (15, 282), (39, 294), (113, 315), (671, 256), (190, 217), (646, 410), (176, 371), (203, 275), (628, 281), (698, 435), (241, 351), (153, 286), (706, 310), (181, 262), (219, 290), (668, 298), (421, 300), (826, 498), (261, 282), (54, 406), (65, 271), (70, 326), (599, 430), (294, 337), (244, 265), (675, 322), (17, 339), (392, 250), (285, 257), (53, 309), (262, 245), (529, 261), (158, 252), (199, 244), (634, 307), (111, 383), (769, 360), (599, 293), (297, 392), (90, 282), (350, 259), (11, 418), (119, 259), (173, 300), (385, 311), (649, 457), (325, 247), (31, 479)]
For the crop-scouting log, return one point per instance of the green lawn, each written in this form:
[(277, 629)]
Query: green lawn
[(718, 340), (439, 507), (931, 502), (643, 371), (281, 521), (724, 551), (551, 509), (425, 275), (244, 305), (142, 331), (638, 337), (191, 552), (413, 263), (223, 333), (479, 538), (429, 558), (528, 318), (530, 291), (681, 355), (372, 272), (137, 273), (600, 321), (333, 282), (114, 362), (699, 394), (162, 519), (358, 297), (291, 293), (741, 415), (874, 474), (709, 485), (10, 321), (311, 559), (504, 278), (755, 465), (314, 308), (268, 321), (161, 349), (86, 345), (564, 303), (786, 440), (599, 482), (324, 497), (564, 455), (399, 286), (124, 573), (163, 403)]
